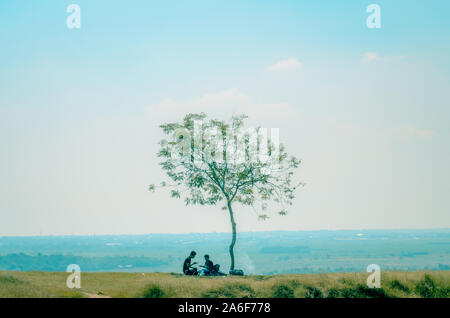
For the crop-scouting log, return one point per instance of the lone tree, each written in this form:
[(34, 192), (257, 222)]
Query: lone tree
[(209, 161)]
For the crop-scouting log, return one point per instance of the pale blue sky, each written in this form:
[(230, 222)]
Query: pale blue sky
[(79, 109)]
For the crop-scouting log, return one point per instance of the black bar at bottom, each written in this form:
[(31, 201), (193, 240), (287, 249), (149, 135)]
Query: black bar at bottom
[(215, 307)]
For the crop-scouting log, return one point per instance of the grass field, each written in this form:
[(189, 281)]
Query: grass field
[(350, 285)]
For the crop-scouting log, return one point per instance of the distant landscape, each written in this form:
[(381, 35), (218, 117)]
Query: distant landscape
[(257, 253)]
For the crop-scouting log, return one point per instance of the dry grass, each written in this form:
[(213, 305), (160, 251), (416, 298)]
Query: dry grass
[(394, 284)]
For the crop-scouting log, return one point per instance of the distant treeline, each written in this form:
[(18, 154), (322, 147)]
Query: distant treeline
[(39, 262)]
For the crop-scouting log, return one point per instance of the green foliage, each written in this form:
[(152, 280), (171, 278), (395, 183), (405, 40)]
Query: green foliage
[(236, 290), (444, 292), (9, 280), (210, 160), (396, 284), (313, 292), (153, 291), (12, 286), (427, 288), (358, 291), (333, 293), (282, 291), (362, 291)]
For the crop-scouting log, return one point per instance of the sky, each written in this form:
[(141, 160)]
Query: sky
[(366, 109)]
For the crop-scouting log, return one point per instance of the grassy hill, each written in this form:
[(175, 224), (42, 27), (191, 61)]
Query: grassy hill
[(94, 285)]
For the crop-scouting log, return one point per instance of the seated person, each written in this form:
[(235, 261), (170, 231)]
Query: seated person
[(217, 272), (187, 266), (209, 265)]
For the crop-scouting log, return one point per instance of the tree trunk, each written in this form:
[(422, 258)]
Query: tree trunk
[(233, 240)]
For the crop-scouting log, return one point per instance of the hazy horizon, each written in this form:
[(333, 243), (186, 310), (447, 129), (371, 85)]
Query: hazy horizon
[(265, 252), (243, 232)]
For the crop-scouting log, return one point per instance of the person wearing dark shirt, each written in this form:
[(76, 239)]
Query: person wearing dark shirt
[(187, 266), (209, 265)]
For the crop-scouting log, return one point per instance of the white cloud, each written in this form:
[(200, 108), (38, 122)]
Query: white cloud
[(290, 64), (375, 57), (370, 56)]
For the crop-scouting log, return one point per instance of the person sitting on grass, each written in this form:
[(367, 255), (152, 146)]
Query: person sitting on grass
[(209, 266), (187, 266)]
